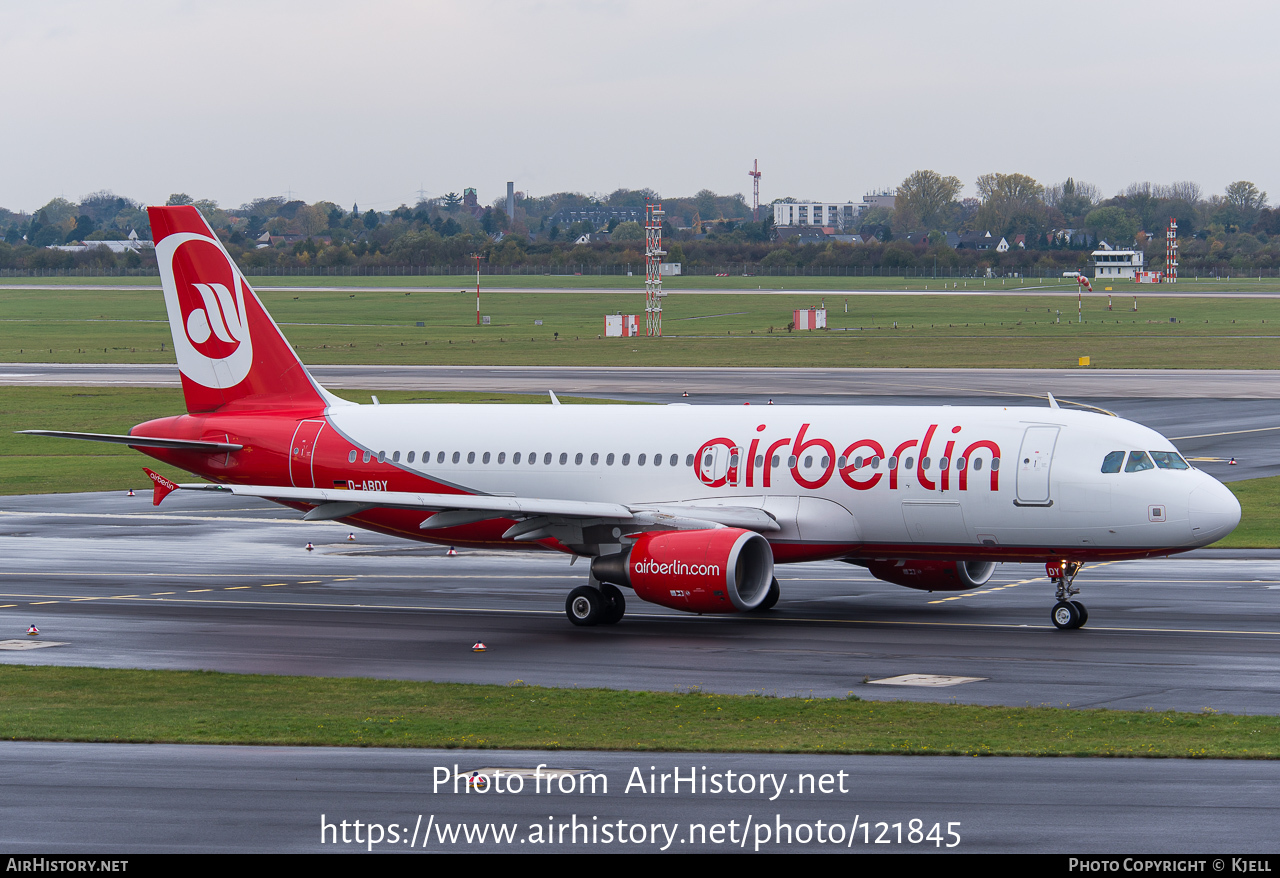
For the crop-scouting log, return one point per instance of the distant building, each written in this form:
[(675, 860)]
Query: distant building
[(811, 213), (1112, 264), (133, 243), (598, 216), (981, 241), (884, 199)]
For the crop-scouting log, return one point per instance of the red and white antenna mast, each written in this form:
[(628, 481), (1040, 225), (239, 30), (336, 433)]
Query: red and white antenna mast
[(1170, 275), (755, 190), (653, 254)]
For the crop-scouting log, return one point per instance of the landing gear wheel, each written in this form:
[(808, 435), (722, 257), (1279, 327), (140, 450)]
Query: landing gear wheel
[(1066, 616), (1084, 613), (615, 605), (584, 606), (770, 599)]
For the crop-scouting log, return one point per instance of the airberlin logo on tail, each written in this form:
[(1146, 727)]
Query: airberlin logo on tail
[(205, 297)]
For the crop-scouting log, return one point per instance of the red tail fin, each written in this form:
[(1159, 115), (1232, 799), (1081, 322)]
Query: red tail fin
[(230, 351)]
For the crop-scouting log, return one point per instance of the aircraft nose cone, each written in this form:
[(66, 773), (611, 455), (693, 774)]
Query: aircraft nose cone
[(1213, 511)]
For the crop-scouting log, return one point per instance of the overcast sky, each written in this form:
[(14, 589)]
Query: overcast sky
[(366, 102)]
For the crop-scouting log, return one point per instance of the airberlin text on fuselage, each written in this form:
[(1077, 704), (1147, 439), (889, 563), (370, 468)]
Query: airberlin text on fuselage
[(954, 468)]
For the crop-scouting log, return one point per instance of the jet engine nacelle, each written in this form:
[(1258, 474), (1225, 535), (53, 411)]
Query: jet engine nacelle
[(721, 570), (933, 575)]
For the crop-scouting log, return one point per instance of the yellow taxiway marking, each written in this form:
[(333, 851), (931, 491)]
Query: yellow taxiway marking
[(124, 596), (197, 590), (274, 584), (38, 603), (990, 589), (1226, 433), (311, 582), (3, 606), (236, 587), (163, 592)]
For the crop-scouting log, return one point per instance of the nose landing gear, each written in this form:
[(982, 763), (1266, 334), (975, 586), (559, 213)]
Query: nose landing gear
[(1067, 614)]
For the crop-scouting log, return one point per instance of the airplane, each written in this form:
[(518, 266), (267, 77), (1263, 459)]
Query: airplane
[(689, 507)]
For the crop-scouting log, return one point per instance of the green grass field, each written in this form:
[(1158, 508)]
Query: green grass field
[(700, 329), (90, 704)]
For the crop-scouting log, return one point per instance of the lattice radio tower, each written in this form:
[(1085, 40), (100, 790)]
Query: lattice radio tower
[(755, 190), (1170, 275), (653, 254)]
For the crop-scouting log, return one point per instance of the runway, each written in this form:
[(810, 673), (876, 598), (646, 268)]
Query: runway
[(226, 584), (119, 800)]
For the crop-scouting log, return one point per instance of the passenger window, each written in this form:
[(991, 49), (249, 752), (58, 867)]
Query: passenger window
[(774, 462), (457, 456), (675, 459), (909, 463), (608, 460), (924, 463), (977, 464), (351, 458), (943, 463), (382, 457), (995, 464), (395, 457), (960, 463), (875, 463), (440, 457), (485, 459), (657, 460), (808, 461), (515, 458), (626, 460), (577, 459), (366, 457), (825, 462), (595, 458), (1138, 461), (857, 462), (1112, 462), (1169, 460), (564, 457), (640, 460), (733, 459), (410, 458), (792, 461), (546, 459), (502, 457), (471, 457), (688, 461)]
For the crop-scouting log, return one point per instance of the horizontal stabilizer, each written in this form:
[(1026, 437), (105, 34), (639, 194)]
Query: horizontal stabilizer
[(141, 441)]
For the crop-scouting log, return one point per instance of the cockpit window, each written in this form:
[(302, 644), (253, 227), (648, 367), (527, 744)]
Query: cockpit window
[(1112, 462), (1138, 461), (1169, 460)]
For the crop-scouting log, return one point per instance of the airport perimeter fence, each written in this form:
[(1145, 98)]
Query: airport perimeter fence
[(637, 272)]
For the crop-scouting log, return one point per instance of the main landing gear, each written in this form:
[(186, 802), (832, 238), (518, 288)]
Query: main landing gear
[(588, 605), (1067, 614)]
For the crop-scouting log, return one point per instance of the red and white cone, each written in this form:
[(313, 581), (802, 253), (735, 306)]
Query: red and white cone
[(452, 551), (351, 537), (310, 548), (130, 494), (475, 647), (1232, 462), (33, 631)]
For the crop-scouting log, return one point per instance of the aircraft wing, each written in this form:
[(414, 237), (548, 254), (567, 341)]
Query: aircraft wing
[(453, 510), (141, 441)]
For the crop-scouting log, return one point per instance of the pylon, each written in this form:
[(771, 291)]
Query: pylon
[(452, 551), (33, 630), (478, 647), (130, 494), (310, 548), (351, 537)]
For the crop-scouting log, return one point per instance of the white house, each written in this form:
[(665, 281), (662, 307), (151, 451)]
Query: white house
[(1112, 264)]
